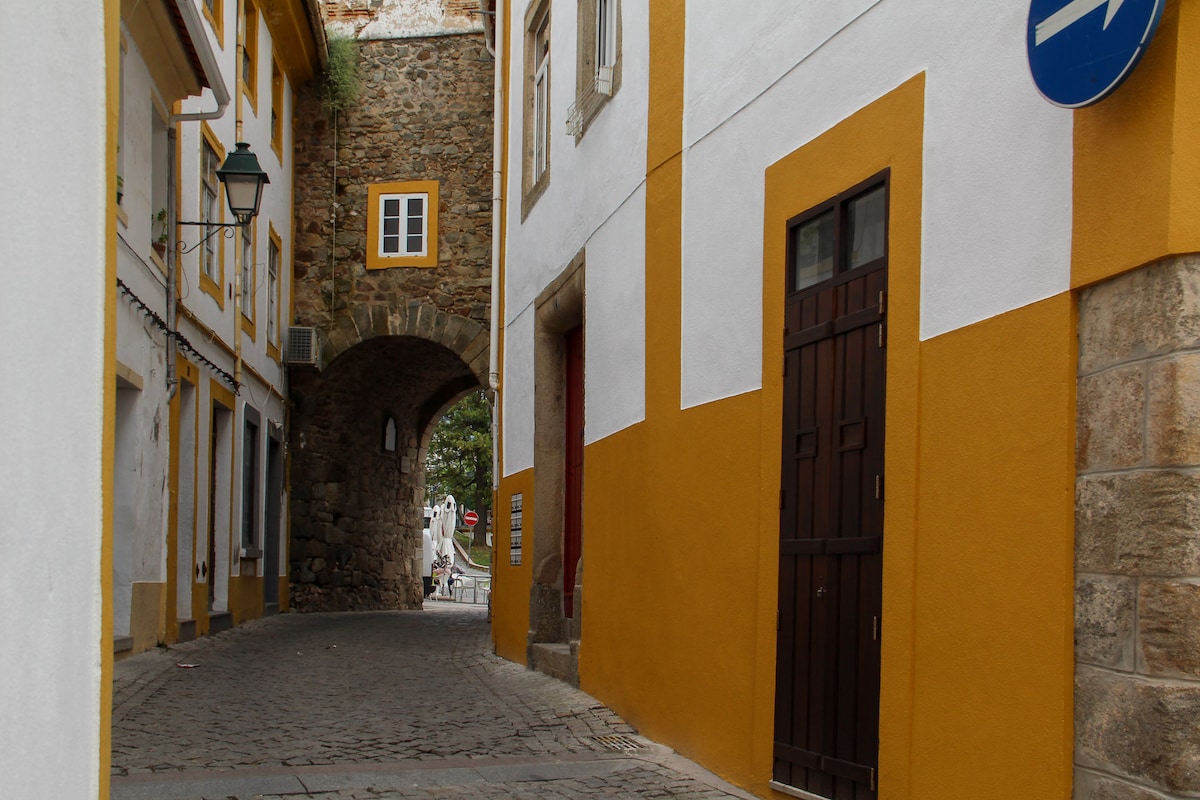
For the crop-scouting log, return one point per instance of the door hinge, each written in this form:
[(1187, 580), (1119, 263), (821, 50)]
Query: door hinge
[(881, 335), (882, 303), (875, 628), (878, 487)]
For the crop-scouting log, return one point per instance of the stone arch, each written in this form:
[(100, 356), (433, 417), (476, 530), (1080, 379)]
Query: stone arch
[(466, 337), (356, 505)]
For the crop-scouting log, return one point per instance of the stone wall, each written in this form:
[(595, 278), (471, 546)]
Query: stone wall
[(399, 342), (1137, 527), (424, 113)]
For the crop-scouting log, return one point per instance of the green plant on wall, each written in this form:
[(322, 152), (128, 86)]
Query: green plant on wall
[(340, 86)]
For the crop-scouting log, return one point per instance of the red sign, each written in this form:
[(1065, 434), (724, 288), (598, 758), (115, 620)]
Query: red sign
[(470, 518)]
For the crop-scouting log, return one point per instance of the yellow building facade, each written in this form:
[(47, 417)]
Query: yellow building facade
[(1002, 213)]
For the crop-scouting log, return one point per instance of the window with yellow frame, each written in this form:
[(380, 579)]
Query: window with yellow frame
[(212, 210), (274, 289), (214, 11), (402, 224), (249, 71), (277, 108)]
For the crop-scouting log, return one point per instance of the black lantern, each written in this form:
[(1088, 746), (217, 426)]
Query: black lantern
[(244, 181)]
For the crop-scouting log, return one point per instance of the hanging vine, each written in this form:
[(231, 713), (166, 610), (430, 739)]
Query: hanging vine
[(340, 87)]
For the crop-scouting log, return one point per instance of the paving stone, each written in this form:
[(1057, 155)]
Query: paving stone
[(371, 705)]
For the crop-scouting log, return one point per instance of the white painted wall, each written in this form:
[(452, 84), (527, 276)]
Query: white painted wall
[(588, 205), (52, 321), (141, 431), (763, 84)]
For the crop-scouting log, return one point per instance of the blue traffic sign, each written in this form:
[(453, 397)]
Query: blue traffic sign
[(1081, 50)]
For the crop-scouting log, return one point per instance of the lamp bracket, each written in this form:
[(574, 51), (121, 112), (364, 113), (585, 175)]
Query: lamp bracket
[(217, 227)]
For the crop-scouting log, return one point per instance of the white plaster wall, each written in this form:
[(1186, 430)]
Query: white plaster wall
[(989, 244), (142, 435), (517, 382), (53, 85), (615, 345), (590, 182)]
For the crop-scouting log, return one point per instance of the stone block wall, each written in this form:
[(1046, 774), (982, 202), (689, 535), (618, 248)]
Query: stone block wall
[(399, 342), (1137, 536), (424, 113)]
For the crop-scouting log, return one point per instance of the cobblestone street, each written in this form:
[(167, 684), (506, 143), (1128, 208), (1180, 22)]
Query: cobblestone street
[(372, 705)]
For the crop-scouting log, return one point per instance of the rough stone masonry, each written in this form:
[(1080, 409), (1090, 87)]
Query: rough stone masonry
[(399, 345)]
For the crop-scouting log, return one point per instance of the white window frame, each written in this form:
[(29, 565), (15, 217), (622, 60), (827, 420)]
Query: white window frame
[(403, 234)]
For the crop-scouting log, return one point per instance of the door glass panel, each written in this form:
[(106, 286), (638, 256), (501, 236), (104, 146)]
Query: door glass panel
[(812, 251), (865, 217)]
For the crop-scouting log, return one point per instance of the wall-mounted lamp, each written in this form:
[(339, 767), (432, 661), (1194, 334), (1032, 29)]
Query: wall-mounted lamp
[(244, 180)]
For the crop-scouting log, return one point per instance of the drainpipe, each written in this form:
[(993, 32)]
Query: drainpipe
[(212, 74), (497, 51), (172, 381), (240, 230), (208, 61), (496, 48)]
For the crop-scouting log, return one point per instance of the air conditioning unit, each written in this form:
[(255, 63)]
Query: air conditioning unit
[(303, 348)]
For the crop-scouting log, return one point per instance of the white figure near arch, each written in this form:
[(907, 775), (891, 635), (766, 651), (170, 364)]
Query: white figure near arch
[(441, 528)]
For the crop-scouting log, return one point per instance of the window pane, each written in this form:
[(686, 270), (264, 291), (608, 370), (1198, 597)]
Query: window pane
[(391, 245), (416, 206), (416, 244), (391, 226), (391, 207), (812, 251), (865, 216), (416, 225)]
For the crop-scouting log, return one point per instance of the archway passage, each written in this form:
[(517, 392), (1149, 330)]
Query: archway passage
[(358, 471)]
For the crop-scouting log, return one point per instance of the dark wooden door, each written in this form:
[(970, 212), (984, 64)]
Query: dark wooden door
[(831, 525), (573, 499)]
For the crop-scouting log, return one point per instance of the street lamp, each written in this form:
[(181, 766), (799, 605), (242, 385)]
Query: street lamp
[(244, 180)]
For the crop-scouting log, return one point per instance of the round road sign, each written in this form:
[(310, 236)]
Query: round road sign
[(470, 518), (1081, 50)]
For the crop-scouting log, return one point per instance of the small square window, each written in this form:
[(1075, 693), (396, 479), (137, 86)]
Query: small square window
[(402, 225)]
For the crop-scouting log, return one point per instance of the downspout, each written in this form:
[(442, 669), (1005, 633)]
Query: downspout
[(497, 51), (212, 74), (496, 48), (172, 381), (212, 70), (240, 230)]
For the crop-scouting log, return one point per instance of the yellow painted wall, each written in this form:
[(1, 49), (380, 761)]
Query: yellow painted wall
[(1137, 159), (993, 559), (679, 600), (510, 584), (887, 134), (245, 594), (146, 616)]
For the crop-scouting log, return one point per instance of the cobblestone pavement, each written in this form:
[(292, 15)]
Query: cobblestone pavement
[(372, 705)]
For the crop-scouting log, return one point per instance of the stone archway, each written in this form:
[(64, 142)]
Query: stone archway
[(358, 432)]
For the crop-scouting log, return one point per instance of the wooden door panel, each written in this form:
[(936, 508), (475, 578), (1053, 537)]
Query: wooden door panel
[(831, 527)]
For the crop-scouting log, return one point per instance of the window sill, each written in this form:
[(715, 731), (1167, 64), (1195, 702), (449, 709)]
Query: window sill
[(122, 217)]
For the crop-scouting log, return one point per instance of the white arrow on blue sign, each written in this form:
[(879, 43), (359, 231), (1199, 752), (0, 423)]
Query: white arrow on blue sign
[(1081, 50)]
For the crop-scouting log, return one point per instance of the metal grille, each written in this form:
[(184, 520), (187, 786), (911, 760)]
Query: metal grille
[(302, 346), (619, 742)]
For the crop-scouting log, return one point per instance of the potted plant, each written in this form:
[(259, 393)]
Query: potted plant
[(159, 222), (120, 189)]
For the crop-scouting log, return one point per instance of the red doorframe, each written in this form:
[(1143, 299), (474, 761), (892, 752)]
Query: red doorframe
[(573, 479)]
